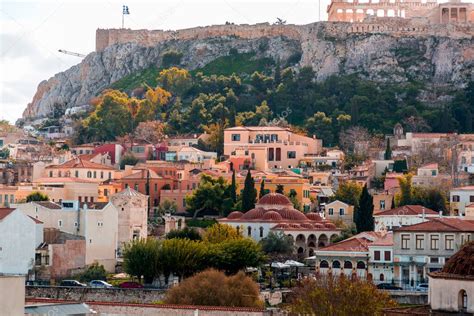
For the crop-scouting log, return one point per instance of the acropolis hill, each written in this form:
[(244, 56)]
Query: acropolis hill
[(389, 49)]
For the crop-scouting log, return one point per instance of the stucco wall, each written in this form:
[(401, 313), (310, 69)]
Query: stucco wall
[(12, 295), (444, 294)]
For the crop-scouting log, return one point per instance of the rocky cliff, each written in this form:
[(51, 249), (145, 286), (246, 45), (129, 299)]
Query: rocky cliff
[(395, 52)]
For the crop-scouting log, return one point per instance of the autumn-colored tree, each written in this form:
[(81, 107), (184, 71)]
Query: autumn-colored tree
[(348, 192), (152, 131), (218, 233), (338, 296), (175, 79), (405, 197), (214, 288)]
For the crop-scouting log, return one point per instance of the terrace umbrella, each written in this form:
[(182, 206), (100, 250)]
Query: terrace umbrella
[(293, 263), (310, 258), (280, 266)]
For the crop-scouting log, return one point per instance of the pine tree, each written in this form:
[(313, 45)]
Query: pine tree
[(262, 189), (249, 194), (280, 189), (388, 151), (363, 215), (233, 188)]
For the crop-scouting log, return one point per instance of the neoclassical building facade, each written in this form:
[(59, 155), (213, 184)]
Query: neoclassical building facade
[(275, 212)]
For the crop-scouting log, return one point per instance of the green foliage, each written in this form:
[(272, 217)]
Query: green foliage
[(236, 63), (348, 192), (388, 151), (140, 259), (292, 196), (400, 166), (212, 197), (4, 153), (201, 223), (128, 160), (37, 196), (347, 232), (406, 190), (236, 254), (218, 233), (93, 272), (278, 243), (185, 233), (249, 193), (432, 198), (233, 188), (145, 77), (364, 213)]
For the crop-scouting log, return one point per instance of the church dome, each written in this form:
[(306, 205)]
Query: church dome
[(314, 217), (235, 215), (272, 215), (292, 214), (255, 213), (330, 225), (274, 199), (461, 262)]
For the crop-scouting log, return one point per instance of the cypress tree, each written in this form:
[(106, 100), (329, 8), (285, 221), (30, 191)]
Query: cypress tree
[(280, 189), (233, 188), (249, 194), (363, 215), (262, 189), (388, 151)]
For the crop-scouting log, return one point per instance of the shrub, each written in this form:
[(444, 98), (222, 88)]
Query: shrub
[(214, 288), (185, 233), (37, 196), (93, 272)]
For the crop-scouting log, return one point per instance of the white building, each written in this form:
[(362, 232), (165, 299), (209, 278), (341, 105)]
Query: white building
[(194, 155), (402, 216), (369, 255), (459, 198), (19, 237)]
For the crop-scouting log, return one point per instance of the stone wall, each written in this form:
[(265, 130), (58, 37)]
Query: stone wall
[(87, 294)]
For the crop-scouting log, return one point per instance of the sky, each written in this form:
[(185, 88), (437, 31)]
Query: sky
[(31, 32)]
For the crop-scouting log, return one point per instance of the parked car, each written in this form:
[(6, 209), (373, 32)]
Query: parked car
[(130, 285), (422, 287), (388, 286), (71, 283), (100, 284)]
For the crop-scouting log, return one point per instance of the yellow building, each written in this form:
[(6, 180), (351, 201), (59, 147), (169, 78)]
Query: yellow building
[(108, 188)]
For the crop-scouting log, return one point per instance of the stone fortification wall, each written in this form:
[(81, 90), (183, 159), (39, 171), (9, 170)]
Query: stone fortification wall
[(392, 26)]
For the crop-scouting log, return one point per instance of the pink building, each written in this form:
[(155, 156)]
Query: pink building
[(269, 146)]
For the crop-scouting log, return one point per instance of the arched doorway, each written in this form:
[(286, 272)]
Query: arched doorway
[(336, 264), (462, 301), (324, 264), (382, 277), (322, 241)]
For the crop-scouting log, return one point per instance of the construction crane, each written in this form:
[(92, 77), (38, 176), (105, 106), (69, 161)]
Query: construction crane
[(71, 53)]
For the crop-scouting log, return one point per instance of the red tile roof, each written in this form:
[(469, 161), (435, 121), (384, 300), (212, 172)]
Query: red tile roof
[(4, 212), (440, 225), (429, 166), (62, 180), (361, 242), (407, 210), (79, 163)]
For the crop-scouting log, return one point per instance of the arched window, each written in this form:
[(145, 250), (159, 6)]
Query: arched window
[(261, 232), (89, 174), (360, 265), (324, 264), (462, 301), (300, 250), (249, 231), (60, 174), (102, 175), (382, 277), (336, 264), (347, 265)]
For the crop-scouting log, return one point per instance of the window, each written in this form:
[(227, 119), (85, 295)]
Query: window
[(471, 198), (341, 211), (420, 241), (95, 174), (50, 174), (261, 232), (331, 211), (271, 154), (106, 192), (324, 264), (278, 154), (455, 198), (89, 174), (376, 255), (336, 265), (249, 231), (60, 223), (434, 242), (76, 173), (102, 175), (235, 137), (382, 204), (405, 242), (449, 242), (434, 260), (387, 256), (136, 186), (110, 175), (291, 154)]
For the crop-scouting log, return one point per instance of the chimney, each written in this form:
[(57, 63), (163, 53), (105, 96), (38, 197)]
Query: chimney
[(424, 213), (440, 214)]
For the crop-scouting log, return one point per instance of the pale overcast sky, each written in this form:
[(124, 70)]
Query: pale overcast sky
[(31, 32)]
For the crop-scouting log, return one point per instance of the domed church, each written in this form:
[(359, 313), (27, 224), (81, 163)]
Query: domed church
[(452, 288), (275, 212)]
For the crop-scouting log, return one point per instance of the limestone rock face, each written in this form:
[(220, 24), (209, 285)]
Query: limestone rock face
[(329, 48)]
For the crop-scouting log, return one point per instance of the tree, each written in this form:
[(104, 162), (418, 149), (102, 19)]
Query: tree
[(37, 197), (348, 192), (214, 288), (233, 188), (128, 160), (280, 189), (218, 233), (338, 296), (249, 194), (93, 272), (167, 206), (364, 213), (152, 131), (406, 190), (320, 125), (400, 166), (292, 196), (182, 257), (185, 233), (234, 255), (140, 259), (175, 79), (212, 196), (262, 189), (277, 243), (388, 151), (432, 198)]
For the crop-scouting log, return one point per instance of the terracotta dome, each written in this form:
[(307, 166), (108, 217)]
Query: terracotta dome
[(274, 199), (272, 215), (461, 262), (314, 217), (255, 213), (318, 226), (330, 225), (294, 226), (292, 214), (307, 225), (235, 215)]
